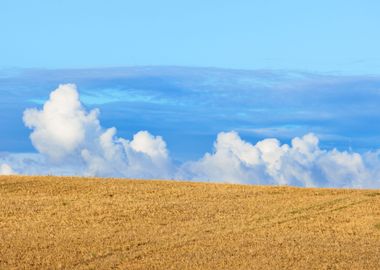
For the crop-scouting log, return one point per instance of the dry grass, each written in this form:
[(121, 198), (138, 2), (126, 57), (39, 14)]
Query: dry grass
[(51, 222)]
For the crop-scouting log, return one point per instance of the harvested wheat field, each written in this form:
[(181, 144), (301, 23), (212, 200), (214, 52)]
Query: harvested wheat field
[(82, 223)]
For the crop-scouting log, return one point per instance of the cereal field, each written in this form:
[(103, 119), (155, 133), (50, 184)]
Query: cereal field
[(88, 223)]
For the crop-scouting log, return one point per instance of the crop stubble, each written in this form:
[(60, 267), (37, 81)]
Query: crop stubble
[(89, 223)]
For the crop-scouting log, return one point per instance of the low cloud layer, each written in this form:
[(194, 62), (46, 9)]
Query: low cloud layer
[(301, 163), (71, 141)]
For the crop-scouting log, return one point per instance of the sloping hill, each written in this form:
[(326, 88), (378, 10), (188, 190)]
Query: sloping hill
[(57, 222)]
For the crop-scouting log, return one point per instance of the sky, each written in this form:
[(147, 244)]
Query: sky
[(254, 92), (329, 36)]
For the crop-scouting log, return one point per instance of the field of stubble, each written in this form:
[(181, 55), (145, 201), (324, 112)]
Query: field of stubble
[(77, 223)]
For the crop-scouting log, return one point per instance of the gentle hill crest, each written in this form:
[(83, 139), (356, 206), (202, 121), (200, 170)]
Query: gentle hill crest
[(86, 223)]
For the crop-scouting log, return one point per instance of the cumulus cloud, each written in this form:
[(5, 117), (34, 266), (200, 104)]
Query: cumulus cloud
[(62, 125), (301, 163), (71, 141), (145, 156), (64, 132)]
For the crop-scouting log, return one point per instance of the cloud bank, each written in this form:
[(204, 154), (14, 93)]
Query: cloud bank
[(70, 140), (302, 163)]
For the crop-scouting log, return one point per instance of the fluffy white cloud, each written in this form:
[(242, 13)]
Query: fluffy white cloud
[(71, 141), (65, 133), (62, 125), (155, 147), (268, 162), (145, 156), (5, 169)]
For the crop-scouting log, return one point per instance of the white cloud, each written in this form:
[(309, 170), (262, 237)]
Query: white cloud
[(144, 142), (71, 141), (268, 162), (65, 133), (5, 169), (145, 156), (62, 125)]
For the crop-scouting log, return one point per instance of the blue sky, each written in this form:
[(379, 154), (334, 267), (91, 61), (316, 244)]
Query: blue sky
[(263, 92), (330, 36)]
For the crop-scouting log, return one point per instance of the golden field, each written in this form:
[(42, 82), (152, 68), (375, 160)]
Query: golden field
[(88, 223)]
